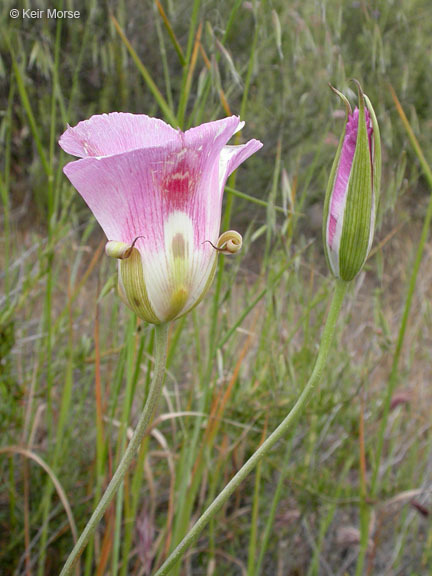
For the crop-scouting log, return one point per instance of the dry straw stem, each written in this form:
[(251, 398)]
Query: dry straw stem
[(132, 449), (11, 450)]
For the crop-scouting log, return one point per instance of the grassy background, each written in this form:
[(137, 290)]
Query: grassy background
[(75, 364)]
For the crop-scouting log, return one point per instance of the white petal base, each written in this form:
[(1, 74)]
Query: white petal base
[(178, 276)]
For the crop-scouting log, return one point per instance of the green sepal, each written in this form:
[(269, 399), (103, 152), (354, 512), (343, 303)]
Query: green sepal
[(376, 153), (132, 288), (354, 244)]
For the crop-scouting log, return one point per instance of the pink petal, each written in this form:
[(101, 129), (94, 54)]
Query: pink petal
[(232, 156), (191, 176), (124, 191), (342, 178), (340, 187), (212, 136), (132, 193), (114, 133), (210, 140)]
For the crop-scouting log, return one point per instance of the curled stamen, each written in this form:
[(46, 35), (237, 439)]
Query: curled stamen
[(212, 245), (120, 250), (229, 242)]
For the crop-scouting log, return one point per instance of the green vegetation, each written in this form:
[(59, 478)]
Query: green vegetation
[(75, 364)]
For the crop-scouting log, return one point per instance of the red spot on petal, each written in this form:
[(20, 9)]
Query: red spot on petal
[(180, 179)]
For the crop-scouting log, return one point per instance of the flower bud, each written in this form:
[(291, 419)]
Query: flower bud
[(353, 191)]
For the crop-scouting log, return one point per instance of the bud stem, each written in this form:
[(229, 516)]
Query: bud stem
[(290, 419), (131, 451)]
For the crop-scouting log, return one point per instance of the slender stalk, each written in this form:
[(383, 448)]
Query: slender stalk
[(229, 204), (50, 336), (254, 520), (185, 89), (4, 193), (163, 55), (291, 418), (132, 503), (163, 104), (143, 422), (265, 538)]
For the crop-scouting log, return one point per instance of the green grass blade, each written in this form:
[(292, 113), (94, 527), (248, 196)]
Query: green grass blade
[(163, 104)]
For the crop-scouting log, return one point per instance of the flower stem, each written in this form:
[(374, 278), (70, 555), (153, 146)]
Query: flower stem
[(291, 418), (131, 451)]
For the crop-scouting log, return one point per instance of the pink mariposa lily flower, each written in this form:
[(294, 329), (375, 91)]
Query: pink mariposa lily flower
[(157, 194)]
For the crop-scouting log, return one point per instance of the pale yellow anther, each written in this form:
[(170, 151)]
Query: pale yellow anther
[(229, 242), (119, 250)]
